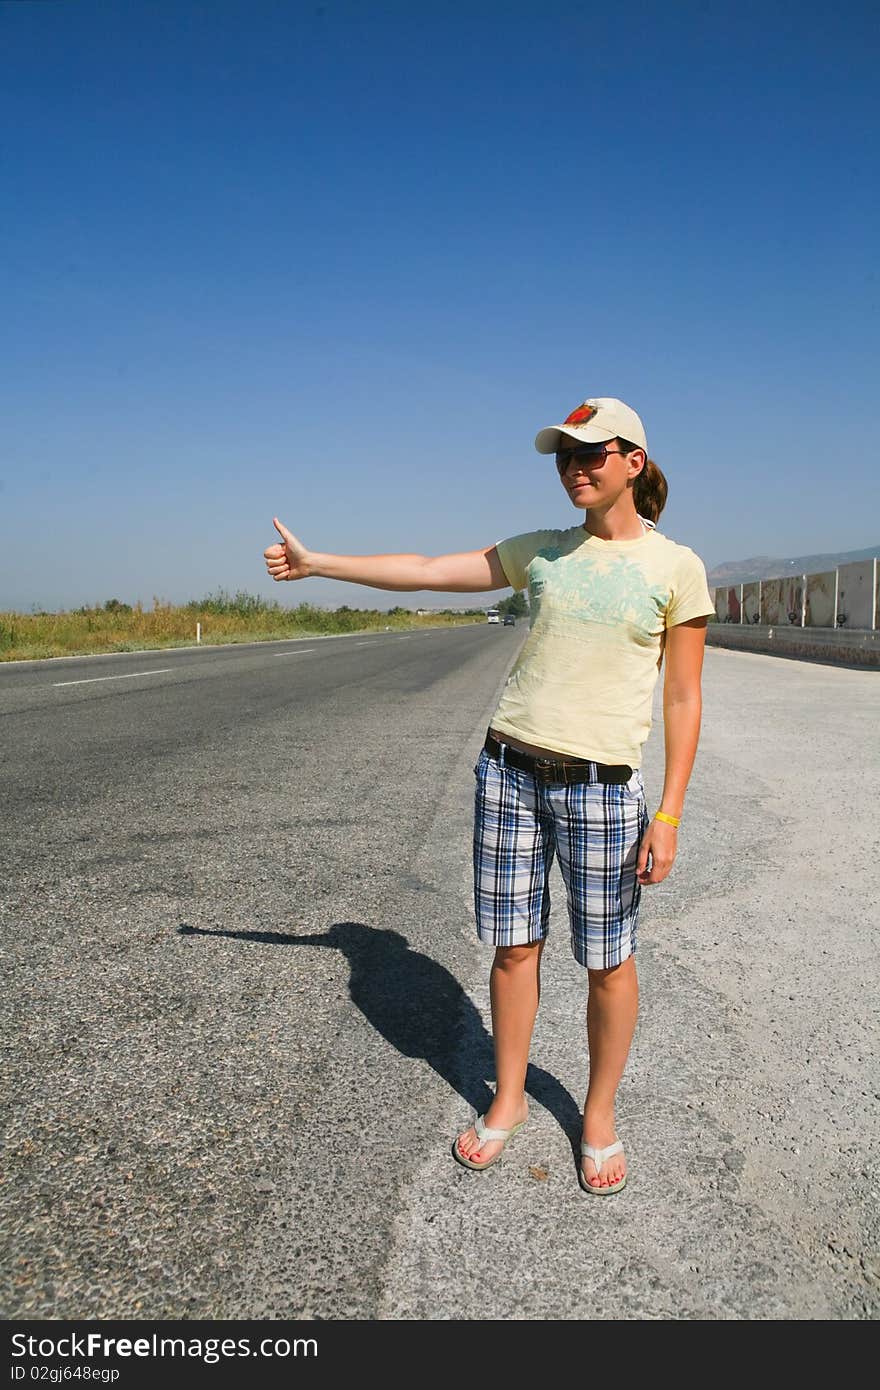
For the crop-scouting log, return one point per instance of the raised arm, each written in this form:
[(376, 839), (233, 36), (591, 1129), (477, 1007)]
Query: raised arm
[(471, 571)]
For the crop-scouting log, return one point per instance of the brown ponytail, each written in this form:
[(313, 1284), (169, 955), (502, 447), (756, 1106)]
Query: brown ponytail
[(650, 488)]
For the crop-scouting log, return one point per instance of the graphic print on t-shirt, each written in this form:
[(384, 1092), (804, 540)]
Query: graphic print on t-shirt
[(611, 590)]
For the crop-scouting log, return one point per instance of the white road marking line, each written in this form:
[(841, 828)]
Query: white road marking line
[(305, 653), (127, 677)]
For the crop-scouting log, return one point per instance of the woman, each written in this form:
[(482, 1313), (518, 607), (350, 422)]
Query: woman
[(559, 772)]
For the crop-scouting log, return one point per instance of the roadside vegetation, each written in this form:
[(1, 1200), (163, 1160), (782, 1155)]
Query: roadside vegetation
[(120, 627), (515, 604)]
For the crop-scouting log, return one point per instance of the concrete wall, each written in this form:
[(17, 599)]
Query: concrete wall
[(751, 602), (812, 644), (834, 616), (821, 606), (782, 600), (848, 597), (856, 594), (727, 604)]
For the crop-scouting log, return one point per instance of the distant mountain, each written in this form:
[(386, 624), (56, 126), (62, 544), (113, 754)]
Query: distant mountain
[(766, 567)]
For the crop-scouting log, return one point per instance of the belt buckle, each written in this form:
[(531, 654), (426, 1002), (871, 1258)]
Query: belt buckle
[(544, 768)]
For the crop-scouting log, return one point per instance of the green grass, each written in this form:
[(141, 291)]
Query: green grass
[(224, 618)]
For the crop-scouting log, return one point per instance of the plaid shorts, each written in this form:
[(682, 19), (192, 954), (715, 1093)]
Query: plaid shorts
[(594, 827)]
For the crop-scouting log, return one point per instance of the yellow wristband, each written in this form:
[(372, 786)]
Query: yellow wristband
[(671, 820)]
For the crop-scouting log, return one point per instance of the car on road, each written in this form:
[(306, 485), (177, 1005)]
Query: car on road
[(509, 620)]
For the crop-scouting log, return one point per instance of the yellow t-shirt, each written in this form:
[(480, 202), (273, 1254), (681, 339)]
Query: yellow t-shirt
[(584, 681)]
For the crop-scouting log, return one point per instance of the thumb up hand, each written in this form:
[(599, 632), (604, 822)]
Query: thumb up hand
[(288, 560)]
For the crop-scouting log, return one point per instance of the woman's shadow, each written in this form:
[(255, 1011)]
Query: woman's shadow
[(422, 1010)]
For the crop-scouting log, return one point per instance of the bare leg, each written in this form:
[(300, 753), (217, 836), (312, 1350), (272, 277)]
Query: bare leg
[(612, 1010), (515, 989)]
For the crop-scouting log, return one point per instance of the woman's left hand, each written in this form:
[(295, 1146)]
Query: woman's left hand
[(660, 840)]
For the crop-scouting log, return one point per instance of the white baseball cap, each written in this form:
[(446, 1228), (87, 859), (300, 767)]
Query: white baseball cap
[(594, 421)]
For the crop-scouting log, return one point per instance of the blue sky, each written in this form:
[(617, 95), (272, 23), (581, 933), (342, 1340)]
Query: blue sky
[(339, 263)]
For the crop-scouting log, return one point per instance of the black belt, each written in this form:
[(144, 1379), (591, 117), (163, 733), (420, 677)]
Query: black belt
[(557, 769)]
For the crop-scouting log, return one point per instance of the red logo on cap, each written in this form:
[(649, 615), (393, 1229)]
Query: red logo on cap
[(582, 415)]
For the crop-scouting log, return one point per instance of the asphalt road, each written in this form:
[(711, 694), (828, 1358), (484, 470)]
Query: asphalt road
[(246, 1011)]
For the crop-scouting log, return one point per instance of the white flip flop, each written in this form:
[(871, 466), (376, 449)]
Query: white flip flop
[(485, 1135), (599, 1156)]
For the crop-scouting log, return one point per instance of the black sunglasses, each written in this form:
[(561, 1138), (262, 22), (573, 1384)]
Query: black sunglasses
[(584, 453)]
